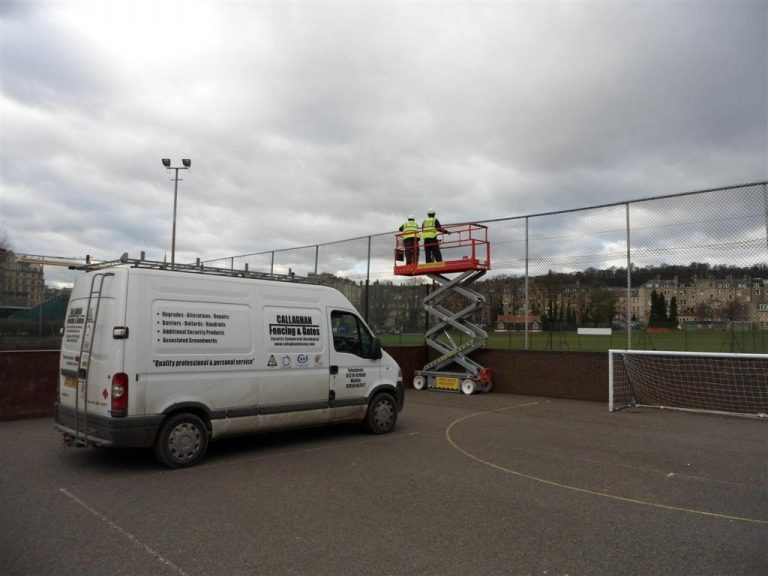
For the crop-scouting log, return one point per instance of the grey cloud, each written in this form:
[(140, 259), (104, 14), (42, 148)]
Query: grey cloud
[(309, 123)]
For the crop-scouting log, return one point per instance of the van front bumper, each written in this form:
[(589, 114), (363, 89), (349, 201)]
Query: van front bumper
[(132, 431), (400, 393)]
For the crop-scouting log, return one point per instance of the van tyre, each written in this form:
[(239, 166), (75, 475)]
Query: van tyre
[(182, 442), (382, 414)]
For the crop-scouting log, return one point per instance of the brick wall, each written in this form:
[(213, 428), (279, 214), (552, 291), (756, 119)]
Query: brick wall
[(575, 375), (28, 383), (28, 379)]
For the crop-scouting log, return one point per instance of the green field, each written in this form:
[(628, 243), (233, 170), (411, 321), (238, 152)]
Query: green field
[(755, 341)]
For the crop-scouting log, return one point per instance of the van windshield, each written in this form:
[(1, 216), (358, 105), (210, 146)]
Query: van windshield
[(350, 335)]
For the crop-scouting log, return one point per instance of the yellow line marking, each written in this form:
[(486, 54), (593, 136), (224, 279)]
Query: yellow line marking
[(577, 488)]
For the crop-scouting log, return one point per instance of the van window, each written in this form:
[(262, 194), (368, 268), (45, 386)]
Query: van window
[(350, 334)]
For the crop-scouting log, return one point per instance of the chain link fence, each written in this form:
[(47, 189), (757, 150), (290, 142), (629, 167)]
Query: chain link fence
[(679, 272), (685, 271)]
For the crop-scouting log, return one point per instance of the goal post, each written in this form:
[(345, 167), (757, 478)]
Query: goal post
[(696, 381)]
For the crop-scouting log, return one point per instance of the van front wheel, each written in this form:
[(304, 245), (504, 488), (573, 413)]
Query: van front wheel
[(382, 414), (182, 441)]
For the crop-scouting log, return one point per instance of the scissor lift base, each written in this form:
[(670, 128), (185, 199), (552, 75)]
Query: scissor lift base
[(457, 382)]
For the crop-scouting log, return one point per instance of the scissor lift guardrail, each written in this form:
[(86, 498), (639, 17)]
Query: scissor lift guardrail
[(468, 253)]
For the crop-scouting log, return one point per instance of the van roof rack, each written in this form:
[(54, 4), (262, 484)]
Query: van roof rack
[(197, 268)]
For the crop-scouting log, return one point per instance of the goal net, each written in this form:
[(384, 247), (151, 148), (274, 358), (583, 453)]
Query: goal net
[(699, 381)]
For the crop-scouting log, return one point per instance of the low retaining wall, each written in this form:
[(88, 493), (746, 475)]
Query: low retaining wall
[(28, 382), (28, 378), (573, 375)]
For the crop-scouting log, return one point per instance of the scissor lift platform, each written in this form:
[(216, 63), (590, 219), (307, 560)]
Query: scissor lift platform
[(466, 248), (468, 253)]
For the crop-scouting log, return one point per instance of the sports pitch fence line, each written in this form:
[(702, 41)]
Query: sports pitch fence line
[(720, 227)]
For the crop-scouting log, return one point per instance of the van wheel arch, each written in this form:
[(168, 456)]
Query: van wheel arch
[(389, 389), (200, 410)]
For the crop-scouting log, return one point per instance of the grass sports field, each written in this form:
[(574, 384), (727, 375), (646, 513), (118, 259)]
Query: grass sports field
[(751, 342)]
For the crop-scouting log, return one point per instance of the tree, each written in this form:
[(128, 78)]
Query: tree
[(703, 311), (673, 312), (570, 317), (653, 320), (5, 243), (602, 307), (380, 300), (658, 310), (736, 310)]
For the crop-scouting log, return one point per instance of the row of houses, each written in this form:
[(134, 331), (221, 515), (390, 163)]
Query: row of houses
[(743, 299), (700, 302), (22, 286)]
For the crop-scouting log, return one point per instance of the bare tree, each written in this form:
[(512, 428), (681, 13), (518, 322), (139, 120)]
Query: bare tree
[(736, 309), (703, 311), (5, 243)]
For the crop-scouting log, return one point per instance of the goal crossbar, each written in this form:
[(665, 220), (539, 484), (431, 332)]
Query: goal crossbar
[(692, 381)]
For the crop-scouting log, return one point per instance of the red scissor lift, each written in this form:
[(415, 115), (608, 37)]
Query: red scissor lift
[(466, 251)]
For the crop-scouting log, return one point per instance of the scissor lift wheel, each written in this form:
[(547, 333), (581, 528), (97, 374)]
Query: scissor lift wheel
[(468, 386)]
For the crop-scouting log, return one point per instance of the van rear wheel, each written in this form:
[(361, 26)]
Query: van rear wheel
[(382, 414), (182, 442)]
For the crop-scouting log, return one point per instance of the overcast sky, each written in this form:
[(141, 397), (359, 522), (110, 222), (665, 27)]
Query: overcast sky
[(313, 122)]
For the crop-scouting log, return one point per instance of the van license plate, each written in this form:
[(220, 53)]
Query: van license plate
[(70, 382)]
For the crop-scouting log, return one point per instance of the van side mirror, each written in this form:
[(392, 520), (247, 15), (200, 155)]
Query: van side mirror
[(375, 349)]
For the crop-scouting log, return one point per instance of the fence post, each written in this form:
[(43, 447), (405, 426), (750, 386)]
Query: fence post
[(765, 206), (525, 307), (317, 254), (368, 280), (629, 285), (272, 264)]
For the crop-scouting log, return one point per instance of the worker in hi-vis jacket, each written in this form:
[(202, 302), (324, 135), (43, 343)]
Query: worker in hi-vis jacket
[(410, 236), (430, 228)]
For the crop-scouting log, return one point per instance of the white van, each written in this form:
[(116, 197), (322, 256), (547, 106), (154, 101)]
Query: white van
[(173, 359)]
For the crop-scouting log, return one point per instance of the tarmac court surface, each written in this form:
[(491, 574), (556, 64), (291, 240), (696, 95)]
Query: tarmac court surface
[(466, 485)]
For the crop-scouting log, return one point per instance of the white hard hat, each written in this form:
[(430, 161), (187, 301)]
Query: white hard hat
[(410, 216), (431, 211)]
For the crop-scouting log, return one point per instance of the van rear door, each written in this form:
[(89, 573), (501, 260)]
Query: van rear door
[(89, 351)]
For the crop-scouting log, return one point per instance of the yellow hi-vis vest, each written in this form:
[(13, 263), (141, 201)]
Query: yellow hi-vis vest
[(410, 229), (428, 228)]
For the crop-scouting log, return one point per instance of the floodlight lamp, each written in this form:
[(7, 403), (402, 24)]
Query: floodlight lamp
[(187, 162), (167, 162)]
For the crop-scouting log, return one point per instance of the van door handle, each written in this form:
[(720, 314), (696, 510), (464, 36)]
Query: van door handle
[(334, 369)]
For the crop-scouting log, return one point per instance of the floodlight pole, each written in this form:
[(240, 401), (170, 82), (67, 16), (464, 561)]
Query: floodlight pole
[(186, 165), (175, 202)]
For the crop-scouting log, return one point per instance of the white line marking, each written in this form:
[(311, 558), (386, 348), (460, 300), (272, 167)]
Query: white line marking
[(123, 532)]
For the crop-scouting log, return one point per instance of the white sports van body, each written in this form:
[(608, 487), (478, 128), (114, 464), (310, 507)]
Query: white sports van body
[(173, 359)]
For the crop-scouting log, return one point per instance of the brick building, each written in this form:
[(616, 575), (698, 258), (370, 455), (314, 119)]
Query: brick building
[(21, 285)]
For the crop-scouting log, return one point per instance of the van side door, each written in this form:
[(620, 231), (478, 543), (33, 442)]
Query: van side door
[(355, 367)]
